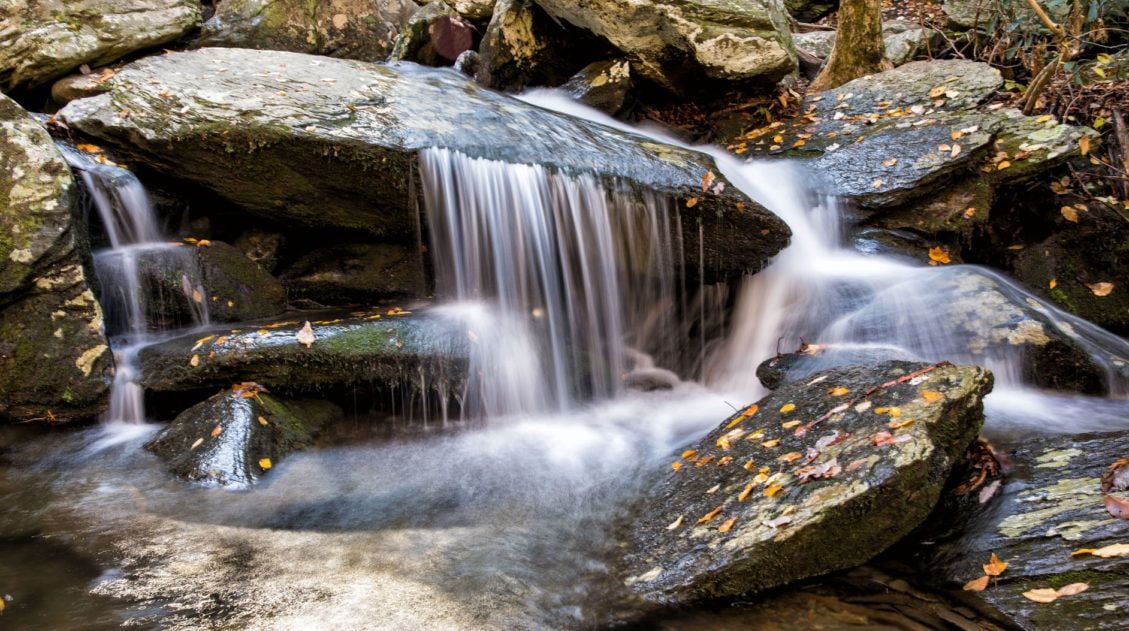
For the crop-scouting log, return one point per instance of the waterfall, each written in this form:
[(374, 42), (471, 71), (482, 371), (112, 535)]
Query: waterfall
[(559, 279), (134, 273)]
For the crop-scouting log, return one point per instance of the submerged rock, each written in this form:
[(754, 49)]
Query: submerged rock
[(42, 41), (388, 347), (1048, 508), (346, 154), (760, 502), (236, 436), (678, 43), (349, 29), (55, 362)]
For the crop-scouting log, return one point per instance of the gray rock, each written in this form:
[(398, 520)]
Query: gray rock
[(523, 46), (77, 86), (233, 440), (349, 29), (375, 346), (678, 43), (55, 362), (904, 41), (980, 14), (603, 85), (358, 273), (1049, 506), (754, 505), (344, 154), (43, 40)]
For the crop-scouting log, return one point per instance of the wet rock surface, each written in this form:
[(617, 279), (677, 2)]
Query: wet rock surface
[(340, 148), (819, 476), (42, 41), (55, 362), (385, 346), (355, 273), (603, 85), (349, 29), (1049, 507), (235, 437)]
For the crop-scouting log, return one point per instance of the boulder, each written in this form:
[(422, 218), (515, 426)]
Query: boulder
[(678, 43), (985, 14), (523, 46), (358, 273), (810, 10), (42, 40), (55, 362), (904, 41), (236, 288), (435, 36), (897, 136), (603, 85), (1049, 507), (346, 154), (816, 477), (349, 29), (384, 346), (235, 437), (77, 86)]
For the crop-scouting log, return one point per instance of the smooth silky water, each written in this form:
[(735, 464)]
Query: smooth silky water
[(502, 522)]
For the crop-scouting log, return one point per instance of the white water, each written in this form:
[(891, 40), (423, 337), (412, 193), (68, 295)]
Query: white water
[(131, 303)]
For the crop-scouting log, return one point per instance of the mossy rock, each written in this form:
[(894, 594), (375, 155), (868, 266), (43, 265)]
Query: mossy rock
[(235, 437), (819, 476)]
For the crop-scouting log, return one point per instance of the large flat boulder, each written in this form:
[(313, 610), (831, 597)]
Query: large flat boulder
[(819, 476), (330, 142), (55, 362), (678, 43), (1047, 509), (43, 40), (386, 346)]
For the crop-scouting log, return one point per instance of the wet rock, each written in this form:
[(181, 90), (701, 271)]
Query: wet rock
[(42, 41), (262, 246), (77, 86), (603, 85), (356, 273), (810, 10), (897, 136), (1048, 507), (345, 155), (435, 36), (55, 362), (467, 63), (236, 436), (904, 41), (523, 47), (678, 43), (349, 29), (754, 505), (382, 346)]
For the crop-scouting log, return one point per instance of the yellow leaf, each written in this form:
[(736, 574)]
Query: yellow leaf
[(970, 213), (196, 444), (789, 424), (1084, 145), (787, 407), (676, 523), (263, 421), (1045, 595), (728, 525), (791, 457), (749, 466), (937, 91), (1099, 71), (200, 342), (1003, 165), (932, 396), (676, 465), (773, 490), (710, 515), (88, 148), (889, 163), (1113, 550), (1069, 214), (195, 361), (956, 134), (689, 452), (771, 443), (778, 139), (1044, 118), (744, 495), (995, 566), (940, 254), (203, 243), (734, 422), (977, 584), (1101, 289), (838, 391), (693, 201), (877, 183), (306, 335), (1053, 283)]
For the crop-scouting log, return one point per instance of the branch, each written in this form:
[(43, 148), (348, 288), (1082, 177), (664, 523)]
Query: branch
[(1046, 19)]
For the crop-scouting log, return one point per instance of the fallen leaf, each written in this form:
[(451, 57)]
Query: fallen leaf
[(791, 456), (676, 465), (987, 492), (838, 391), (1069, 214), (1084, 144), (728, 525), (713, 489), (877, 183), (977, 584), (1113, 550), (773, 490), (751, 410), (995, 566), (1053, 283), (704, 461), (955, 151), (196, 444), (1072, 589), (693, 201), (787, 407), (689, 452), (744, 494), (932, 396), (940, 254), (970, 213), (1003, 165), (789, 424), (710, 515), (676, 523), (217, 430), (1116, 476), (882, 438), (937, 91), (306, 335), (263, 421), (1101, 289), (195, 361), (1044, 118), (889, 163), (265, 463), (776, 523), (900, 424), (1116, 506), (1045, 595), (707, 180), (771, 443)]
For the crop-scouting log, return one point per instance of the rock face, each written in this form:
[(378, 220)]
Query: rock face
[(523, 46), (677, 43), (810, 10), (1048, 507), (904, 41), (236, 436), (356, 273), (44, 40), (384, 346), (346, 153), (603, 85), (884, 135), (349, 29), (754, 505), (55, 362)]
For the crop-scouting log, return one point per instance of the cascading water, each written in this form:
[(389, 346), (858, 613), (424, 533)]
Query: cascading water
[(567, 274), (136, 306)]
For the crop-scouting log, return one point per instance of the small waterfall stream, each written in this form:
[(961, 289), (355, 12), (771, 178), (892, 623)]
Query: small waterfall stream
[(136, 301)]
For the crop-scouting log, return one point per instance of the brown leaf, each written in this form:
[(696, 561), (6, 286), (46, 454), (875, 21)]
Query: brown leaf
[(977, 584), (1069, 214), (1116, 476), (995, 566), (744, 495), (728, 525), (676, 523), (1116, 506), (1072, 589), (1084, 144), (1044, 595), (707, 180), (1101, 289), (710, 515), (306, 335)]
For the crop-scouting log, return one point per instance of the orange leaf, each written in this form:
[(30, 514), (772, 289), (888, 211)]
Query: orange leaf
[(693, 201), (217, 430), (689, 452), (1045, 595), (1116, 506), (940, 254), (707, 180), (995, 566), (977, 584), (710, 515), (676, 465), (744, 494), (838, 391), (791, 456), (773, 490), (932, 396), (728, 525), (1101, 289)]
